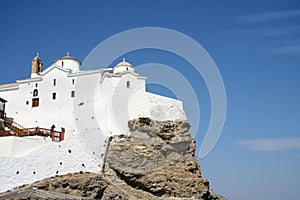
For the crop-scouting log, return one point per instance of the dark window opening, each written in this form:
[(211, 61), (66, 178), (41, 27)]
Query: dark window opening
[(62, 63), (72, 93), (35, 92), (35, 102), (73, 81), (36, 85), (2, 114), (27, 102), (53, 95), (128, 84), (54, 82)]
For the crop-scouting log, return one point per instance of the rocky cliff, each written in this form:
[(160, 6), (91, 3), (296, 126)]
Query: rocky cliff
[(156, 161)]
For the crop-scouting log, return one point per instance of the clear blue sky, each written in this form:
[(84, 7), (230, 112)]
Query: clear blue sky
[(255, 44)]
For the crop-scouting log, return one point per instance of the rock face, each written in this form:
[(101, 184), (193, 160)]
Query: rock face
[(158, 157), (156, 161)]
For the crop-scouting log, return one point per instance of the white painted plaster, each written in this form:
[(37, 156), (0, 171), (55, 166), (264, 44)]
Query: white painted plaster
[(105, 100)]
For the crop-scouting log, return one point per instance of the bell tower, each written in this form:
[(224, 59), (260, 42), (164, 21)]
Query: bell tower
[(36, 65)]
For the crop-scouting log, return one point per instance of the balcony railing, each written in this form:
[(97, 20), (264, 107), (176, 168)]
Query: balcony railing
[(18, 130)]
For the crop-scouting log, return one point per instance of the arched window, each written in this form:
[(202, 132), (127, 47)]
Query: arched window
[(35, 92), (54, 82)]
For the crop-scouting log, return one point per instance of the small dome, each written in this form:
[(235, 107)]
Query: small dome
[(124, 63), (68, 57), (123, 67), (68, 62)]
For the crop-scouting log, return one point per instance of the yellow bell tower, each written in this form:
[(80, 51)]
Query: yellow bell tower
[(36, 65)]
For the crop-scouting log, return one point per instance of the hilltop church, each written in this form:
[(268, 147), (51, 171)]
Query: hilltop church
[(90, 106), (64, 96)]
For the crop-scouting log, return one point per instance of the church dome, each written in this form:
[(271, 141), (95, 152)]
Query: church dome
[(68, 57), (124, 63), (68, 62), (123, 67)]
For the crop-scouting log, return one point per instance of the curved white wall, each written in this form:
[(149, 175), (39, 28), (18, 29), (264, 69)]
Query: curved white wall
[(69, 64), (119, 69)]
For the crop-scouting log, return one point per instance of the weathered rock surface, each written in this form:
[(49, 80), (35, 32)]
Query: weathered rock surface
[(156, 161), (158, 157)]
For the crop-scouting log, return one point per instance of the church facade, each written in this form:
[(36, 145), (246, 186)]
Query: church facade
[(64, 96), (90, 105)]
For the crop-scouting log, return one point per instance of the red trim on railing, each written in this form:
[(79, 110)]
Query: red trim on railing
[(20, 131)]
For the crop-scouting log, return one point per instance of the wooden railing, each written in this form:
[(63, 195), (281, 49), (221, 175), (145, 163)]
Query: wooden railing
[(20, 131), (17, 128)]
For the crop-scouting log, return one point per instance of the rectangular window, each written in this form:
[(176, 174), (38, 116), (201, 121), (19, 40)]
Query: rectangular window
[(73, 81), (53, 95), (128, 84), (54, 82), (35, 102), (72, 94), (1, 114)]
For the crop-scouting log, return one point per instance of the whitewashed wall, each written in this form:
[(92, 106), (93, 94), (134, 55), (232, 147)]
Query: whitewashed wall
[(44, 161), (102, 106), (71, 64)]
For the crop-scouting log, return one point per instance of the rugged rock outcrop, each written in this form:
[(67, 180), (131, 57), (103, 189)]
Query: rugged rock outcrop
[(158, 157), (156, 161)]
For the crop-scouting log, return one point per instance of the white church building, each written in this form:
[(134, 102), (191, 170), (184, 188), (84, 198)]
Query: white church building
[(90, 105)]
